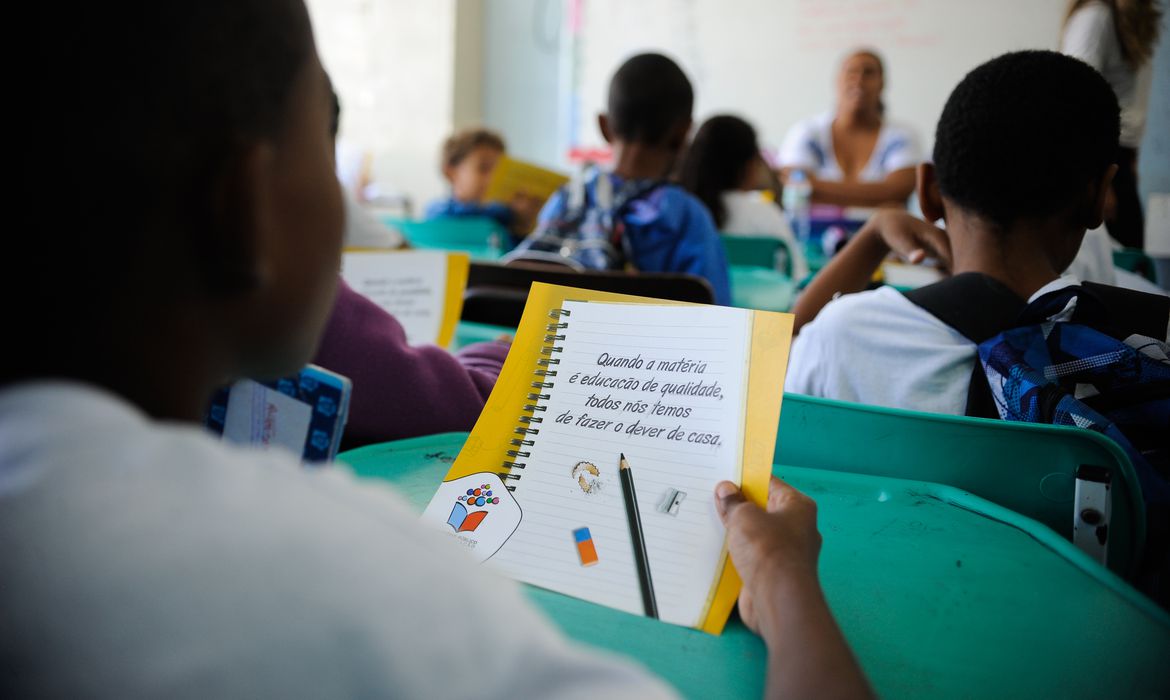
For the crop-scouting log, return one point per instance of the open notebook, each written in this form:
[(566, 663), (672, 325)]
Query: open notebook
[(421, 289), (690, 394)]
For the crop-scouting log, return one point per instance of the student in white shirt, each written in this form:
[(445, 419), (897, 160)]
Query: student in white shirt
[(855, 156), (1094, 263), (141, 558), (721, 167), (1017, 223), (1118, 39)]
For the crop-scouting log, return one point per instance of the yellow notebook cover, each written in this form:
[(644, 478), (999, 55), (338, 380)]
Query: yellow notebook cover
[(531, 370), (422, 289), (512, 177)]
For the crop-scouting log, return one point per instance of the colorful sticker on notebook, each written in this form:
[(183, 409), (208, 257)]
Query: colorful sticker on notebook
[(477, 510)]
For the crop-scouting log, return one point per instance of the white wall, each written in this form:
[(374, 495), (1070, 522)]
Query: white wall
[(393, 65), (408, 71), (1154, 156), (774, 61), (521, 76)]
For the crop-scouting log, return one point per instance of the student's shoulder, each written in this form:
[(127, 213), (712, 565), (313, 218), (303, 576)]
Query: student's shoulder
[(750, 210), (668, 207), (812, 125), (439, 207), (693, 216), (883, 312)]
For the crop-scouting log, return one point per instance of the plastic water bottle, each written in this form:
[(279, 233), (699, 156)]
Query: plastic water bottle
[(797, 202)]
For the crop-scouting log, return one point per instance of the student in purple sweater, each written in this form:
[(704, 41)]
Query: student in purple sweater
[(390, 377)]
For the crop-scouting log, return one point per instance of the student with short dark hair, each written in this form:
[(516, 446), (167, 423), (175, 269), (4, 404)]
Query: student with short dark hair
[(1023, 156), (144, 558), (721, 167), (468, 160), (632, 216)]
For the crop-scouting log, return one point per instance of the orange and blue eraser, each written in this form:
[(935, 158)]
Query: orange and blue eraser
[(585, 546)]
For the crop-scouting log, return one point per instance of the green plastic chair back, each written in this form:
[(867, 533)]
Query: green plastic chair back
[(754, 251), (1027, 468), (1135, 260), (481, 238)]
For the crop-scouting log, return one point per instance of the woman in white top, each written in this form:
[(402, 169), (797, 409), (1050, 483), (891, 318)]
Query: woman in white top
[(1117, 37), (855, 156), (721, 168)]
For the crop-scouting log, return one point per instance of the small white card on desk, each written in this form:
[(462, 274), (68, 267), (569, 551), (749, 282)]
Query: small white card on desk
[(259, 415)]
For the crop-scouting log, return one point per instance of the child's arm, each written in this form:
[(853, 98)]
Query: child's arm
[(893, 190), (851, 269), (775, 551), (524, 210)]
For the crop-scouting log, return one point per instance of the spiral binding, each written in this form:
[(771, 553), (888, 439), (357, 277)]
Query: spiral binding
[(545, 370)]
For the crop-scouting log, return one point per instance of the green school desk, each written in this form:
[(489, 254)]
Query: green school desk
[(761, 288), (468, 332), (941, 595)]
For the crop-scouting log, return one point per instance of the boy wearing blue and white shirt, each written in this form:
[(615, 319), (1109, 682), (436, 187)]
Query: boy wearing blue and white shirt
[(655, 226)]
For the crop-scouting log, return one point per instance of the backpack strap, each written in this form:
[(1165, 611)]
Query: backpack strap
[(977, 306), (1123, 312), (980, 308)]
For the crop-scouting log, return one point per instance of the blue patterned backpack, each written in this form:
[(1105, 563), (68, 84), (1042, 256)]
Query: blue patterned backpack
[(1090, 356), (590, 233)]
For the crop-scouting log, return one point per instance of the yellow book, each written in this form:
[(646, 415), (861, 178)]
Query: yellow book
[(422, 289), (512, 177), (689, 394)]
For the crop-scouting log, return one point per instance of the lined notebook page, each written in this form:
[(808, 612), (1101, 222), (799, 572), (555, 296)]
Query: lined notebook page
[(666, 385)]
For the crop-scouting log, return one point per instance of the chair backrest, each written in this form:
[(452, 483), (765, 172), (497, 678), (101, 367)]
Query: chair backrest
[(480, 237), (1027, 468), (496, 293), (753, 251)]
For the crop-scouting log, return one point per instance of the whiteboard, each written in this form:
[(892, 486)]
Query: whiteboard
[(775, 62)]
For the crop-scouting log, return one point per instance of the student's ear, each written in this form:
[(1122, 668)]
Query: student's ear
[(1100, 197), (448, 173), (929, 196), (603, 125), (239, 236)]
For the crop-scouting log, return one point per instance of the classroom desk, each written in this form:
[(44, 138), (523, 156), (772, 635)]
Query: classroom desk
[(941, 595), (468, 332), (761, 288)]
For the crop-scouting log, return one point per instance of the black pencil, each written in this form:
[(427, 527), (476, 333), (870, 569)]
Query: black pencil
[(637, 538)]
